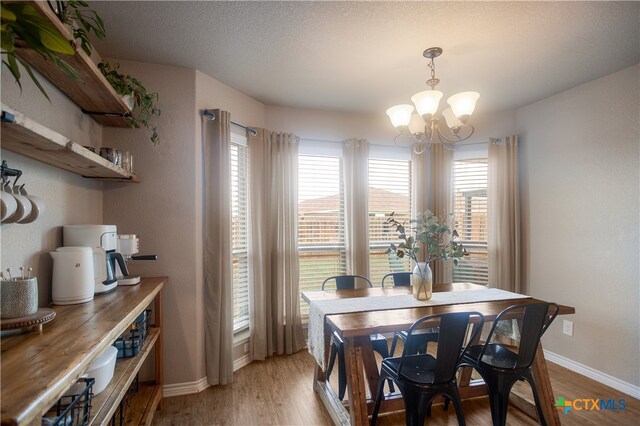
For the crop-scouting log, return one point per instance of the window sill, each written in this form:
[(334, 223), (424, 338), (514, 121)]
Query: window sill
[(241, 337)]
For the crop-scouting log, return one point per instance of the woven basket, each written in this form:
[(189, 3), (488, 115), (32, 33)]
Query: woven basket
[(18, 298)]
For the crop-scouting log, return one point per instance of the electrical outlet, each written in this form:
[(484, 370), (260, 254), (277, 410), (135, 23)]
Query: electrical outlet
[(567, 327)]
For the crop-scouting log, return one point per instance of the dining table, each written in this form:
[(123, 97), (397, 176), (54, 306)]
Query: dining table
[(360, 363)]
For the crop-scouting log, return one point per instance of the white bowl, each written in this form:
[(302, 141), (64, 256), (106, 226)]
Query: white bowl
[(101, 369)]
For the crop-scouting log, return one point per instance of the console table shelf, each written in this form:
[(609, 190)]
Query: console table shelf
[(37, 369), (25, 136)]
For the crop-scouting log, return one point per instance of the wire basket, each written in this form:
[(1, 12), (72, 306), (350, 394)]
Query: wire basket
[(73, 409), (131, 341), (119, 417)]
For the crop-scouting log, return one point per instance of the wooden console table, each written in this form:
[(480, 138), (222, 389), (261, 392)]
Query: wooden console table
[(37, 369)]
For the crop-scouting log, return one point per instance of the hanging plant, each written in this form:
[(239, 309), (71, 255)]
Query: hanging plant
[(144, 109)]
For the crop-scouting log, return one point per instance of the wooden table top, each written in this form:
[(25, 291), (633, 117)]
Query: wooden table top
[(385, 321), (36, 369)]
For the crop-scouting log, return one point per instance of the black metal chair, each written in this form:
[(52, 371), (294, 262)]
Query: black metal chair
[(422, 377), (400, 279), (501, 365), (378, 341)]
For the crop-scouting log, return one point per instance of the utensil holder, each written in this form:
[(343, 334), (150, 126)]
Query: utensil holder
[(18, 297)]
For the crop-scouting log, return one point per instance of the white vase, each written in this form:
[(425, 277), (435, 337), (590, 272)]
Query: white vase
[(129, 101), (422, 281)]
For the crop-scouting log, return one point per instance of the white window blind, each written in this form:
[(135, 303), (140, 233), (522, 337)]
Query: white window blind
[(389, 191), (470, 214), (321, 242), (239, 191)]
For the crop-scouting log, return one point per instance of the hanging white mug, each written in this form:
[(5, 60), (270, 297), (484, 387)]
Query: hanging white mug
[(37, 206), (9, 204)]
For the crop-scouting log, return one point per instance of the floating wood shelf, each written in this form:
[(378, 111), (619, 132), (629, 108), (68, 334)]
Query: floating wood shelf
[(25, 136), (92, 92)]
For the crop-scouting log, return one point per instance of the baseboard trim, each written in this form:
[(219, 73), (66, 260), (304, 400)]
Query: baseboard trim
[(187, 388), (241, 362), (598, 376)]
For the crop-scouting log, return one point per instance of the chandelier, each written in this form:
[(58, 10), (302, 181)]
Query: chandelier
[(424, 128)]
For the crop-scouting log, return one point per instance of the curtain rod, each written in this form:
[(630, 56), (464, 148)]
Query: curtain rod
[(210, 115)]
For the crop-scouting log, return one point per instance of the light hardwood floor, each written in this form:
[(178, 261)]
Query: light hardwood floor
[(279, 392)]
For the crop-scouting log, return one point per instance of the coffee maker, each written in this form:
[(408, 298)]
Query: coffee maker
[(102, 239), (129, 246)]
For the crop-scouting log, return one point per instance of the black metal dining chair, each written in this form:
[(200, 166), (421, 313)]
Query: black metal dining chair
[(378, 341), (400, 279), (501, 365), (422, 377)]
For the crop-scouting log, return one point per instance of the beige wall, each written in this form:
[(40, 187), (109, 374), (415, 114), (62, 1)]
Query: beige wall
[(162, 209), (580, 179), (376, 128), (69, 198)]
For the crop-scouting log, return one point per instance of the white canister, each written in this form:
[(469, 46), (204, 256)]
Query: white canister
[(19, 297), (73, 276)]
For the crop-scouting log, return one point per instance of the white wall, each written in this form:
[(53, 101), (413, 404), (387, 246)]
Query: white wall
[(69, 198), (580, 187)]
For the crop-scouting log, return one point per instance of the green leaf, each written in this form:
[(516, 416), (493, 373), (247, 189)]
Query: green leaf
[(7, 15), (34, 78), (7, 41)]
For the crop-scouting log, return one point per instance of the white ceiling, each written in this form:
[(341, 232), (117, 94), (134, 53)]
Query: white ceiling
[(367, 56)]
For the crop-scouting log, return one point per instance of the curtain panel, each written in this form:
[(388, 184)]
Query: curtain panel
[(441, 202), (356, 205), (275, 319), (218, 286), (504, 237), (419, 189)]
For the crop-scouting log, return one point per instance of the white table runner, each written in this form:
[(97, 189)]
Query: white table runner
[(319, 308)]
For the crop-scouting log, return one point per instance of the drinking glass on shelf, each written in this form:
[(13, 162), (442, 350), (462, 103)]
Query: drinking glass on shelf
[(127, 161)]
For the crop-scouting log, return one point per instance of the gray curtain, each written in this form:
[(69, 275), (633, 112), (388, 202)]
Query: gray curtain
[(275, 321), (356, 205), (441, 202), (218, 286), (504, 243)]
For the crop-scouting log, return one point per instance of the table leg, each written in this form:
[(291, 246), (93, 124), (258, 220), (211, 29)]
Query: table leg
[(543, 387), (353, 351)]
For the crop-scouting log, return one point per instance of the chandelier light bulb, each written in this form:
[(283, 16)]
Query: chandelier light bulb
[(463, 103), (427, 102), (400, 115)]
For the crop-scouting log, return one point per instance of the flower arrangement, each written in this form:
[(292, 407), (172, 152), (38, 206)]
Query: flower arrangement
[(434, 237)]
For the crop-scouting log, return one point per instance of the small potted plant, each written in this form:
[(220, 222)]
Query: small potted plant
[(144, 107), (426, 232), (22, 24), (82, 20)]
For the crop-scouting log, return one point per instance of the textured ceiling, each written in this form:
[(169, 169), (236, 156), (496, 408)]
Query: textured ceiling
[(366, 56)]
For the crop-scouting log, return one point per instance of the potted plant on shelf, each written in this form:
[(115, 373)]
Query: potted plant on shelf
[(23, 24), (82, 20), (144, 107), (426, 232)]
